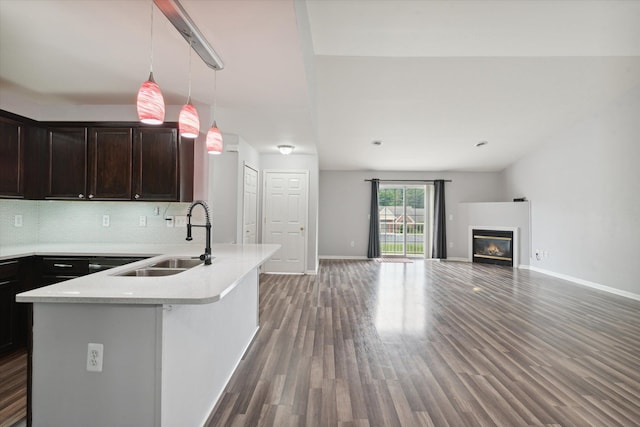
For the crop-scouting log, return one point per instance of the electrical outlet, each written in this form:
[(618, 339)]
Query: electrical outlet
[(169, 221), (353, 243), (142, 221), (17, 221), (450, 244), (156, 210), (181, 221), (538, 254), (95, 353), (106, 220)]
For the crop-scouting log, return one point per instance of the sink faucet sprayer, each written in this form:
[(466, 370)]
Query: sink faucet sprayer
[(206, 256)]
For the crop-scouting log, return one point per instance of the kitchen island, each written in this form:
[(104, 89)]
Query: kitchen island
[(169, 343)]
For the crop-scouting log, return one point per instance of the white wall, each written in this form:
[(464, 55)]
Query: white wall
[(585, 204), (226, 186), (300, 162), (345, 200)]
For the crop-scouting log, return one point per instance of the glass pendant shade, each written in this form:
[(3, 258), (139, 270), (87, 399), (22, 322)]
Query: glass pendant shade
[(188, 121), (150, 103), (214, 140)]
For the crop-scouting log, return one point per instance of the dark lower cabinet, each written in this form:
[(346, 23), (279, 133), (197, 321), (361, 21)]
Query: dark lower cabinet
[(13, 316)]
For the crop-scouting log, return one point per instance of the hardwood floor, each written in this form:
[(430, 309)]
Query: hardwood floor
[(13, 387), (436, 344)]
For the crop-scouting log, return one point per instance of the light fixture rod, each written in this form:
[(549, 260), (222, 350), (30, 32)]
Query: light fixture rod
[(180, 19)]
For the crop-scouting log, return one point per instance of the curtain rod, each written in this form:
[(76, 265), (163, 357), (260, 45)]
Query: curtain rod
[(409, 180)]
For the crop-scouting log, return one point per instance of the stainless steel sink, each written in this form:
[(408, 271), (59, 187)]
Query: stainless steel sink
[(166, 267), (152, 272), (178, 263)]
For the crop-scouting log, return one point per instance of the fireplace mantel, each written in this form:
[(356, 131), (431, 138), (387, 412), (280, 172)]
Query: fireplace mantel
[(515, 244)]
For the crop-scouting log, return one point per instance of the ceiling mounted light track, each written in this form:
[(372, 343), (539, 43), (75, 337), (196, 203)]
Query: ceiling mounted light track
[(180, 19)]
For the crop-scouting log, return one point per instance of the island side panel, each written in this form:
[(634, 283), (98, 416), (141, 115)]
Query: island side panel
[(126, 392), (202, 346)]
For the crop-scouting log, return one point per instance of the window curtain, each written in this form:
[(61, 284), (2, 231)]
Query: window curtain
[(374, 222), (439, 221)]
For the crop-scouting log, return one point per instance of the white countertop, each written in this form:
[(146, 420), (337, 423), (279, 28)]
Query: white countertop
[(199, 285)]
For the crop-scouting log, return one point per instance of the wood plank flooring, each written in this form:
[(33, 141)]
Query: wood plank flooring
[(436, 344), (13, 387)]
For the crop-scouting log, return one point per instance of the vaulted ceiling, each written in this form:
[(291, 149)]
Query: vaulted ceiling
[(429, 79)]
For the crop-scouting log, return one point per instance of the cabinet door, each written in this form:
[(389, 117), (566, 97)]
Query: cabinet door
[(67, 163), (9, 287), (156, 160), (110, 162), (11, 158)]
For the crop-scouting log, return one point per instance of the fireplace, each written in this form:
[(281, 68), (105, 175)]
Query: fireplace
[(493, 246)]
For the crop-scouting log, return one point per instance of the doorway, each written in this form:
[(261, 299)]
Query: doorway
[(285, 219), (404, 215)]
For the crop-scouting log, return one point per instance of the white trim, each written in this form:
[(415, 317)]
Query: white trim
[(342, 257), (311, 273), (583, 282), (515, 243)]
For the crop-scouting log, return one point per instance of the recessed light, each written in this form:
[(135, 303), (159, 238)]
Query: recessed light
[(377, 142), (481, 143)]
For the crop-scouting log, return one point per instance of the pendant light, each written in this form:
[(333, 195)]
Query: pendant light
[(214, 136), (150, 102), (188, 121)]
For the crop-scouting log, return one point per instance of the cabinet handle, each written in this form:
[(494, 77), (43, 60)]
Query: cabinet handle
[(81, 196), (63, 265), (137, 196), (91, 196)]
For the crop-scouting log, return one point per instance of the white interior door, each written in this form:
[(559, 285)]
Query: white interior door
[(285, 219), (250, 206)]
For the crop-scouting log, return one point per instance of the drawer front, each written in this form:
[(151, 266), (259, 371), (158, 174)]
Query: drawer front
[(65, 266), (8, 269)]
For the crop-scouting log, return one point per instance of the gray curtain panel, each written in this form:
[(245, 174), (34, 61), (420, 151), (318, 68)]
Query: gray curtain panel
[(374, 222), (439, 222)]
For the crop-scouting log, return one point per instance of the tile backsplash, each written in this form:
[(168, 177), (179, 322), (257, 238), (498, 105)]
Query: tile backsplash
[(48, 221)]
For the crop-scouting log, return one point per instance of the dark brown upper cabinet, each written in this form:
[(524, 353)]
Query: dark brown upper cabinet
[(156, 158), (110, 163), (67, 171), (11, 158), (94, 161)]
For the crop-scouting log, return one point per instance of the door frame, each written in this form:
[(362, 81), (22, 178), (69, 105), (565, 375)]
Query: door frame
[(263, 222)]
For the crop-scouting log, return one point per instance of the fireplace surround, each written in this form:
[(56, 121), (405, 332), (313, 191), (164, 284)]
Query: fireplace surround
[(494, 245)]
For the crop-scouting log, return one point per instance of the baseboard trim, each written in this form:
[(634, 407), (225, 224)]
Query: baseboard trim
[(586, 283), (343, 257)]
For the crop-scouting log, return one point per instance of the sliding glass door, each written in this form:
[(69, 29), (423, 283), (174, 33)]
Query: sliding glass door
[(404, 218)]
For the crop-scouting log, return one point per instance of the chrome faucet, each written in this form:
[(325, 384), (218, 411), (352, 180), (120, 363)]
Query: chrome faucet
[(206, 256)]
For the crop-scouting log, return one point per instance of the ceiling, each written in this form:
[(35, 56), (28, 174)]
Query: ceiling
[(429, 79)]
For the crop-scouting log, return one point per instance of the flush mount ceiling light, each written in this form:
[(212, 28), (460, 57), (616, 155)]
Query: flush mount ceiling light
[(180, 19), (286, 149), (214, 136), (188, 121), (150, 102)]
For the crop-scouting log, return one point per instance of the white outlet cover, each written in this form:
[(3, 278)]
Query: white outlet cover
[(95, 353), (142, 221), (17, 221), (169, 221), (106, 220)]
